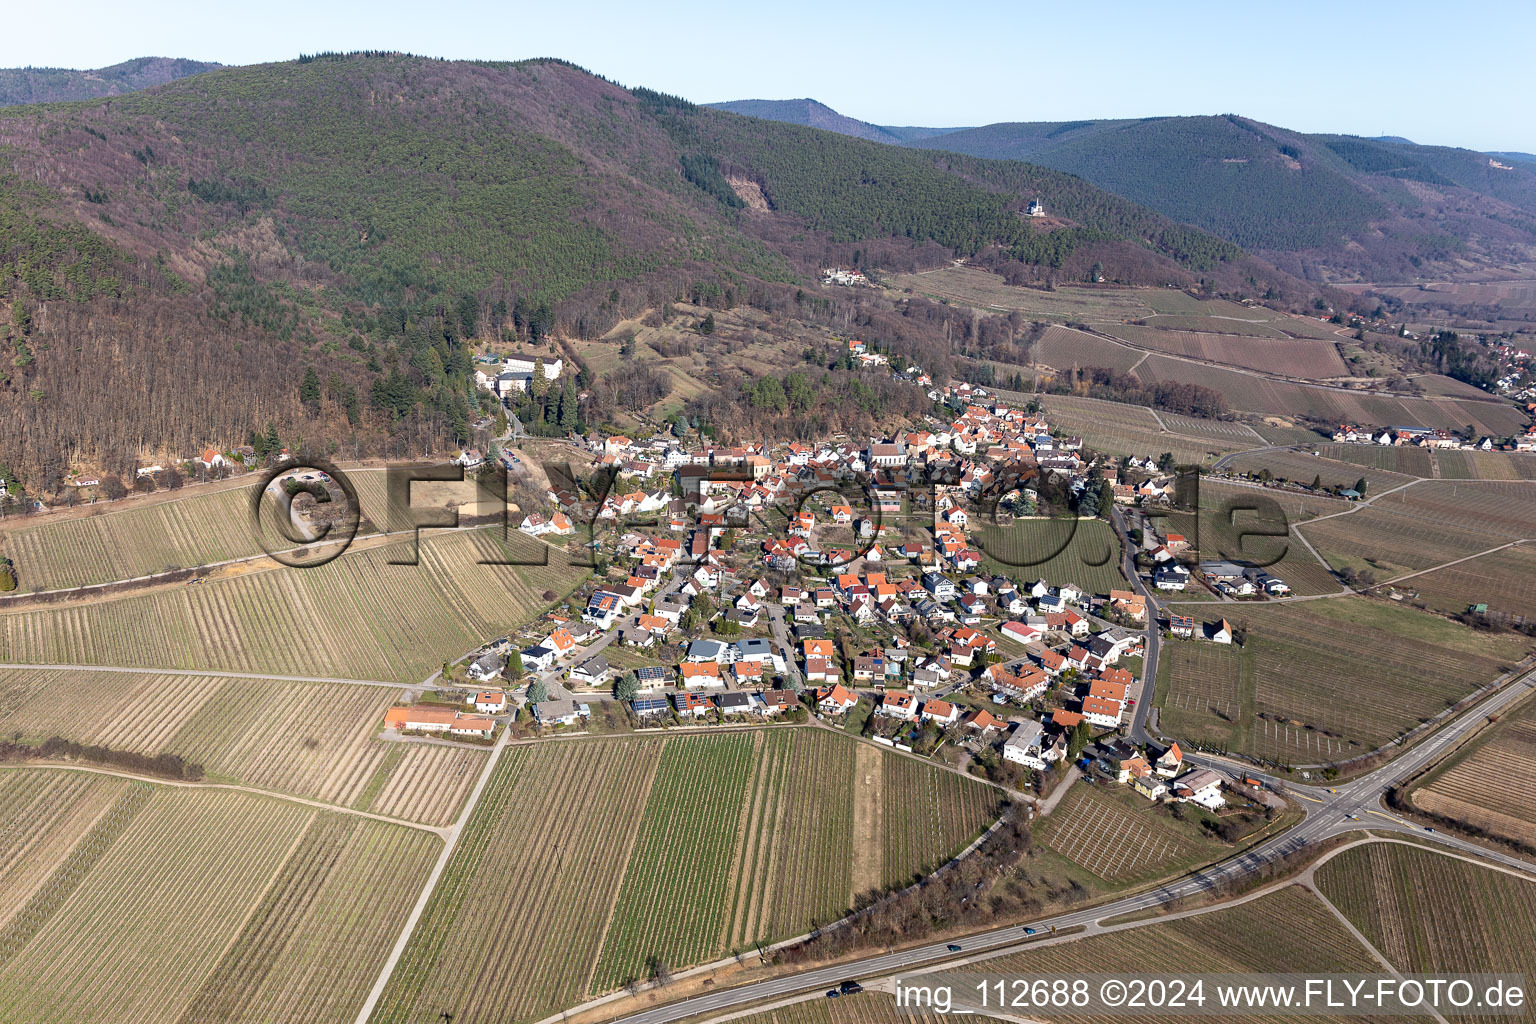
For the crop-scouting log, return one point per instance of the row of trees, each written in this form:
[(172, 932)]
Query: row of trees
[(172, 766)]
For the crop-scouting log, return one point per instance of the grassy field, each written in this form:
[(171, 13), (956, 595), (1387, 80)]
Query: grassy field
[(1279, 697), (357, 617), (1498, 509), (1280, 430), (1390, 545), (119, 541), (44, 815), (1428, 913), (1463, 789), (312, 739), (1084, 552), (1205, 693), (1270, 352), (586, 860), (1299, 506), (207, 906), (1505, 581)]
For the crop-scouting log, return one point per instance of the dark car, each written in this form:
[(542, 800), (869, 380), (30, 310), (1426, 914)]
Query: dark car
[(833, 993), (850, 988), (954, 947)]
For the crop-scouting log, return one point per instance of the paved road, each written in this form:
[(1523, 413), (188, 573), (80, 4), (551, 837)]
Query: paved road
[(1138, 727), (1328, 812)]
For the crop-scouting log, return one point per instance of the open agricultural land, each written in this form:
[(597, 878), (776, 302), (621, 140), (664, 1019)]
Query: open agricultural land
[(676, 850), (1271, 352), (1284, 931), (983, 289), (1502, 584), (1062, 348), (317, 740), (1430, 913), (357, 617), (1303, 468), (1120, 837), (1477, 789), (869, 1007), (1427, 525), (1326, 680), (108, 543), (1487, 465), (1246, 391), (1082, 552), (194, 904), (1119, 429), (1412, 461)]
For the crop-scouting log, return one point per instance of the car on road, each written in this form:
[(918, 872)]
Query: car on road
[(1029, 931), (1429, 828), (953, 947)]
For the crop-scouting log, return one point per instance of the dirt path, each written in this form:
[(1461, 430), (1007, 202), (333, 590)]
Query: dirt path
[(868, 819), (236, 787), (197, 672), (1359, 937), (451, 840), (1057, 794)]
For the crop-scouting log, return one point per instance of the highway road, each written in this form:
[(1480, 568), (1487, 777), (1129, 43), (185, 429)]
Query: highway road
[(1329, 812)]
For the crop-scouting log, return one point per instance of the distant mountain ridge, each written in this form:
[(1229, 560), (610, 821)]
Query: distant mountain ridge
[(1326, 207), (251, 224), (53, 85), (815, 114)]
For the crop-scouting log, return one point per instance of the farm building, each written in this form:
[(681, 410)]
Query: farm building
[(439, 720)]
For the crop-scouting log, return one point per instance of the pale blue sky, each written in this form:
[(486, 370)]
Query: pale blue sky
[(1460, 74)]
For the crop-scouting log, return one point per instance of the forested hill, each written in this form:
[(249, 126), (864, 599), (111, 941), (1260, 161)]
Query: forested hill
[(321, 244), (1373, 207), (1327, 207), (52, 85)]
